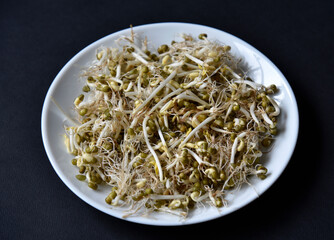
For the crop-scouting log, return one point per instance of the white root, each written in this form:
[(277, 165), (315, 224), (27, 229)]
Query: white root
[(220, 130), (71, 133), (198, 159), (212, 198), (172, 164), (151, 149), (252, 108), (166, 121), (192, 98), (164, 99), (118, 71), (277, 110), (63, 112), (167, 106), (201, 125), (129, 87), (244, 111), (235, 145), (229, 110), (140, 58), (162, 139), (162, 84), (201, 198), (166, 197), (99, 140), (249, 83), (233, 73), (176, 64), (196, 60), (267, 119)]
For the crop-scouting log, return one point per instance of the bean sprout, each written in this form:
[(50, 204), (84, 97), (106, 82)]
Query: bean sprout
[(170, 129)]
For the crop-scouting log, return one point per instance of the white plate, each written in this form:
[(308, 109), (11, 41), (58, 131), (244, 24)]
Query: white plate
[(66, 86)]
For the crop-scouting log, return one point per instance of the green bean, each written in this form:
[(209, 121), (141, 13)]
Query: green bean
[(262, 176), (86, 88), (138, 196), (113, 194), (201, 117), (212, 173), (82, 169), (74, 161), (222, 176), (94, 149), (266, 142), (206, 181), (183, 128), (79, 99), (166, 60), (182, 176), (261, 129), (238, 128), (147, 52), (236, 107), (112, 72), (184, 160), (233, 136), (273, 131), (212, 151), (86, 120), (131, 132), (228, 126), (81, 177), (206, 97), (230, 183), (175, 204), (77, 138), (219, 122), (99, 55), (148, 191), (270, 109), (83, 111), (130, 49), (107, 146), (93, 178), (265, 102), (108, 200), (98, 179), (227, 48), (103, 88), (202, 36), (197, 185), (151, 124), (154, 57), (145, 69), (90, 79), (163, 48), (219, 202), (271, 89), (262, 168), (92, 185)]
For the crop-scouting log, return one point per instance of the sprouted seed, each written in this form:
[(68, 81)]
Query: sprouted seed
[(171, 128)]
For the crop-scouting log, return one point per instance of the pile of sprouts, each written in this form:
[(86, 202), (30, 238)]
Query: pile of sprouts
[(170, 129)]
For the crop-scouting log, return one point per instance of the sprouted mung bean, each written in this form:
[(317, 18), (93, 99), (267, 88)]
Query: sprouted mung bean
[(169, 129)]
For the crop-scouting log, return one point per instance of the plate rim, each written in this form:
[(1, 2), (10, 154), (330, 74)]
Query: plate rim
[(145, 221)]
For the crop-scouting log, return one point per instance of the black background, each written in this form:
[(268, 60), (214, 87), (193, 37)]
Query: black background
[(37, 38)]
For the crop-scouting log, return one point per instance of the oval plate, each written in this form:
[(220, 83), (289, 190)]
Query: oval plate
[(66, 87)]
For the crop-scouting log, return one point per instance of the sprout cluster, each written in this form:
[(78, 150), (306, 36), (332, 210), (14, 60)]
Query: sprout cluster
[(171, 128)]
